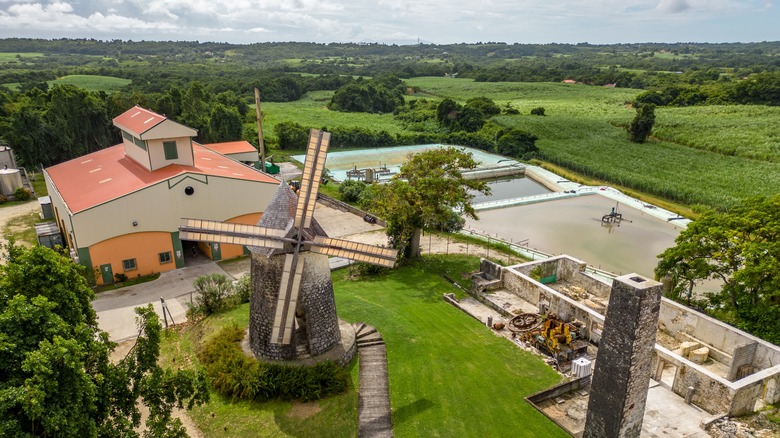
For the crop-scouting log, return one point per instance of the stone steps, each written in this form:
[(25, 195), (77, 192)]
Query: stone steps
[(374, 419)]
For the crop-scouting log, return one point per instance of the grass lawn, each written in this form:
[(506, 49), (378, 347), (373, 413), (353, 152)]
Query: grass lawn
[(449, 375)]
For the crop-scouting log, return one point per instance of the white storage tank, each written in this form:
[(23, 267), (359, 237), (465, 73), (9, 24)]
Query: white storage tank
[(10, 180)]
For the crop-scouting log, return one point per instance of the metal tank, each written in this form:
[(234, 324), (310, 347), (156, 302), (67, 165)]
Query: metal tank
[(10, 180)]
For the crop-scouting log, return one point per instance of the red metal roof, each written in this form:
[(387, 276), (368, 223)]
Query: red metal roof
[(108, 174), (138, 120), (232, 147)]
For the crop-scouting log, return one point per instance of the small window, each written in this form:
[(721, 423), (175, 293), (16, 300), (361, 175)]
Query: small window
[(171, 153), (140, 143), (129, 265), (127, 136), (165, 257)]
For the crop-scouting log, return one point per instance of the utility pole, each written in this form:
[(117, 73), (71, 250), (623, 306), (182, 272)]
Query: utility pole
[(260, 129)]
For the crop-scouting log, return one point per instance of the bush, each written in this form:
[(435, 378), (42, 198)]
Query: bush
[(360, 269), (120, 277), (538, 111), (3, 199), (243, 289), (238, 376), (22, 194), (350, 190), (212, 292)]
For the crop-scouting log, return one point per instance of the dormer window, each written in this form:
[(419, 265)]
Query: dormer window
[(132, 139)]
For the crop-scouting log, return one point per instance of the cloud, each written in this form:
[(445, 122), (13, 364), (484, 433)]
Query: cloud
[(440, 21), (673, 6)]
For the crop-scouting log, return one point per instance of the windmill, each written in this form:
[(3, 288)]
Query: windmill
[(292, 311)]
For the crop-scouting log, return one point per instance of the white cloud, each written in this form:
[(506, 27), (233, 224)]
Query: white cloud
[(438, 21)]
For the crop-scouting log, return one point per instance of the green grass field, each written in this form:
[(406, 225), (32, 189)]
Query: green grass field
[(6, 57), (710, 155), (109, 84), (311, 110), (449, 375), (749, 131), (583, 130)]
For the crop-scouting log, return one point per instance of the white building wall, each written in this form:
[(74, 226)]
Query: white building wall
[(160, 207)]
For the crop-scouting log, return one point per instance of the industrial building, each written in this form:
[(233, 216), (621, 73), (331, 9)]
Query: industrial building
[(119, 208)]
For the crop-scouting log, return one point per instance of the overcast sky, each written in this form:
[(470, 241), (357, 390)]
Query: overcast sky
[(396, 21)]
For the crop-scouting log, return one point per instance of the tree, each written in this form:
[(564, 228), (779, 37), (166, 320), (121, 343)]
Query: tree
[(291, 135), (423, 195), (224, 124), (640, 127), (741, 249), (350, 190), (55, 375), (516, 143), (366, 96)]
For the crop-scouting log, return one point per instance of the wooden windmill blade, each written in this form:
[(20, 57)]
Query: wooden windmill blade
[(310, 181), (225, 232), (361, 252), (287, 300)]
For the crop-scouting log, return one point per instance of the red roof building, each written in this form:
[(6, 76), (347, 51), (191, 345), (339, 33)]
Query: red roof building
[(119, 208)]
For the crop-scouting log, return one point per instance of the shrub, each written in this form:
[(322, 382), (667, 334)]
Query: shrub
[(243, 289), (238, 376), (212, 291), (22, 194), (120, 277), (3, 199), (350, 190), (360, 269), (538, 111)]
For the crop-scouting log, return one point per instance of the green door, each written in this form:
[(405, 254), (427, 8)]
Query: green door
[(216, 253), (107, 273)]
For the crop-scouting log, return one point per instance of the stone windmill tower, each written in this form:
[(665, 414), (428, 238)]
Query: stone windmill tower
[(292, 310)]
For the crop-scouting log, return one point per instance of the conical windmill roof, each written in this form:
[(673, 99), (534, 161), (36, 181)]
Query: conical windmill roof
[(280, 215), (281, 210)]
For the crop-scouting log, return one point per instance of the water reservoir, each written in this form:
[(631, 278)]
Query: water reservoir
[(573, 226), (508, 188)]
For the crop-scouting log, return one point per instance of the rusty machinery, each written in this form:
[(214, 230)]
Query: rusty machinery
[(553, 336)]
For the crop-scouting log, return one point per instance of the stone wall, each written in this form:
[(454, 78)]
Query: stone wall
[(318, 326), (676, 318), (709, 393), (743, 355)]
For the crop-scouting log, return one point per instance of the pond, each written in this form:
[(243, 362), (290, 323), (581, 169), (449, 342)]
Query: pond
[(508, 188), (573, 226)]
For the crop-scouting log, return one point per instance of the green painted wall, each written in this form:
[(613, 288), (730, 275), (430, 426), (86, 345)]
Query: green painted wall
[(178, 250)]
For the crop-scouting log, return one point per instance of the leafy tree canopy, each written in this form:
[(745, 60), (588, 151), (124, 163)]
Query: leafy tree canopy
[(371, 96), (640, 128), (423, 195), (55, 375), (741, 249)]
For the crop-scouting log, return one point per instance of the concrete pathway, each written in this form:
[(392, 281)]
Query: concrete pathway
[(374, 419)]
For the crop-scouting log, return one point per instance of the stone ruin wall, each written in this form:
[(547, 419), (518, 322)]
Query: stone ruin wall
[(728, 345)]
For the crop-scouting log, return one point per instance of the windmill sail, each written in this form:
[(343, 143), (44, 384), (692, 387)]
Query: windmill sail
[(310, 181), (361, 252), (202, 230)]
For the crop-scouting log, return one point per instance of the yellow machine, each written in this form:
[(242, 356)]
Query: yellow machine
[(555, 337)]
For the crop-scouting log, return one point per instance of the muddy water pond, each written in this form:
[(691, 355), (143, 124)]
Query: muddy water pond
[(508, 188), (573, 226)]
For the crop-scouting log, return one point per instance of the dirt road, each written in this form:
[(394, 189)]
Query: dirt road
[(14, 211)]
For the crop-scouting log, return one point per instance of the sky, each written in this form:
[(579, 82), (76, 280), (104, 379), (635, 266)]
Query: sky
[(396, 21)]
